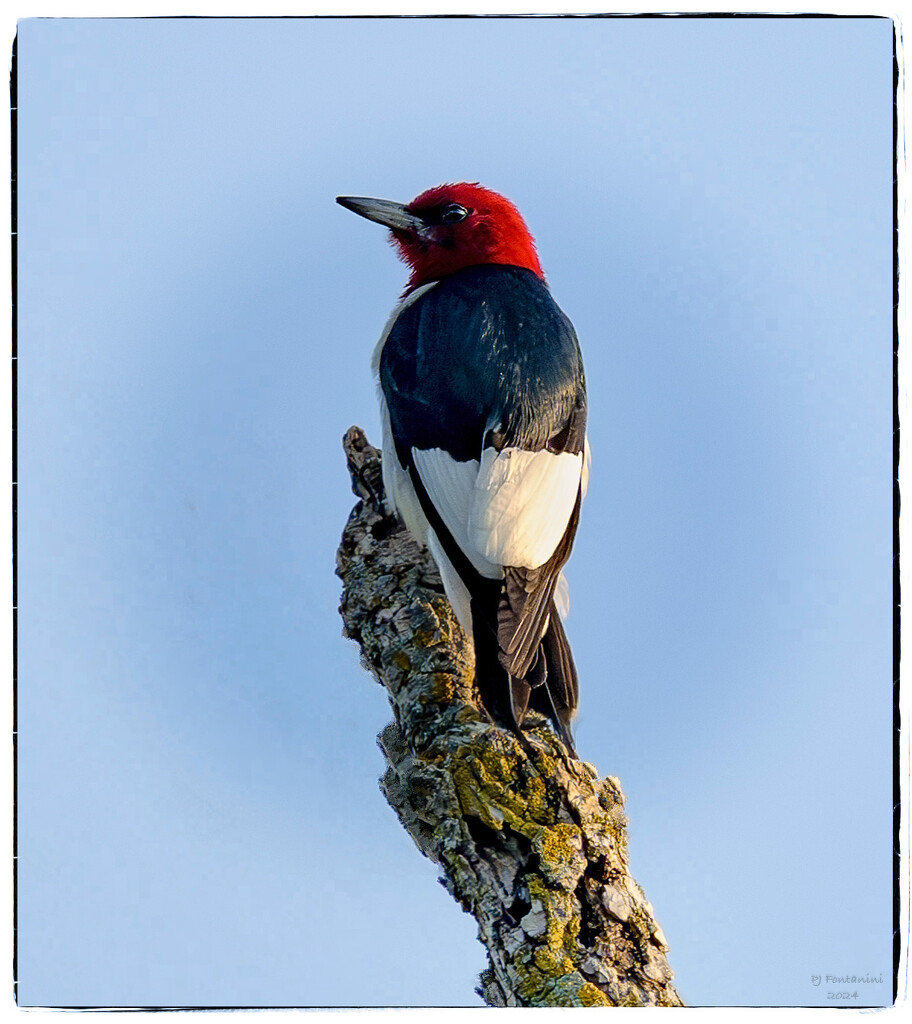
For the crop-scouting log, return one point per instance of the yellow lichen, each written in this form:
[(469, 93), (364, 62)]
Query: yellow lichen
[(571, 931), (615, 826), (560, 844), (484, 774), (424, 637), (401, 660), (561, 927), (549, 962), (592, 995), (537, 988), (531, 985), (537, 799), (441, 687), (473, 799), (544, 762), (639, 926)]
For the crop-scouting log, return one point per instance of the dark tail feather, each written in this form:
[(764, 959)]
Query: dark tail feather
[(550, 686), (505, 697), (558, 695)]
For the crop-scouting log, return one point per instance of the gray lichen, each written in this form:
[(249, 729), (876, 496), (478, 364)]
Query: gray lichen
[(531, 842)]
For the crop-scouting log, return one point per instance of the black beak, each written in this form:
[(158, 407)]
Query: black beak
[(391, 215)]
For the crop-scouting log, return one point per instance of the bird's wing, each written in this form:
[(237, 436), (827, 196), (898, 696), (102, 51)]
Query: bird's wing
[(488, 413), (549, 488), (510, 509), (521, 503), (513, 515)]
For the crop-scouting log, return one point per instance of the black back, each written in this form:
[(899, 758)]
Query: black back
[(485, 358)]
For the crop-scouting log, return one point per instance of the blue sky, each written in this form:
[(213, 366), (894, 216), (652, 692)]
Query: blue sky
[(199, 818)]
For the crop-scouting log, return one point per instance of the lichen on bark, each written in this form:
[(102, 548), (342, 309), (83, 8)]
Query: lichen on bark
[(529, 841)]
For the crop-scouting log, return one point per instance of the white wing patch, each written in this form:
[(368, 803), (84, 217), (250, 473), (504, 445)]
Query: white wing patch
[(451, 487), (511, 509), (514, 507), (522, 504)]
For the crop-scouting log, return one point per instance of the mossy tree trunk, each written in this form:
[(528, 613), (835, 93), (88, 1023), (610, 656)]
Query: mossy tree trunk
[(529, 841)]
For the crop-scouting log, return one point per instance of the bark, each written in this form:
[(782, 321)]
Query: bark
[(530, 841)]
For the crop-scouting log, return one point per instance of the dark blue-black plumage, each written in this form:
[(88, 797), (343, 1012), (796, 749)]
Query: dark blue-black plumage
[(485, 359)]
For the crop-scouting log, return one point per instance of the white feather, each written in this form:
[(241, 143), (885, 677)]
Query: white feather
[(451, 487), (587, 464), (522, 504), (511, 509), (400, 494), (456, 590), (562, 596)]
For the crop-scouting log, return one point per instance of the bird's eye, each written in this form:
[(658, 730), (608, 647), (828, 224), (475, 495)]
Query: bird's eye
[(454, 213)]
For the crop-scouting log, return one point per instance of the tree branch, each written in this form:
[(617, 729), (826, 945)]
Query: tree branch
[(530, 842)]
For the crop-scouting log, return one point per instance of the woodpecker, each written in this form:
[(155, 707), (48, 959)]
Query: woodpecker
[(485, 457)]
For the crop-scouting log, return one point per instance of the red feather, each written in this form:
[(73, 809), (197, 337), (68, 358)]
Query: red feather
[(494, 232)]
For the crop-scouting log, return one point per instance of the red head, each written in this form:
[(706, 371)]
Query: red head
[(450, 227)]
